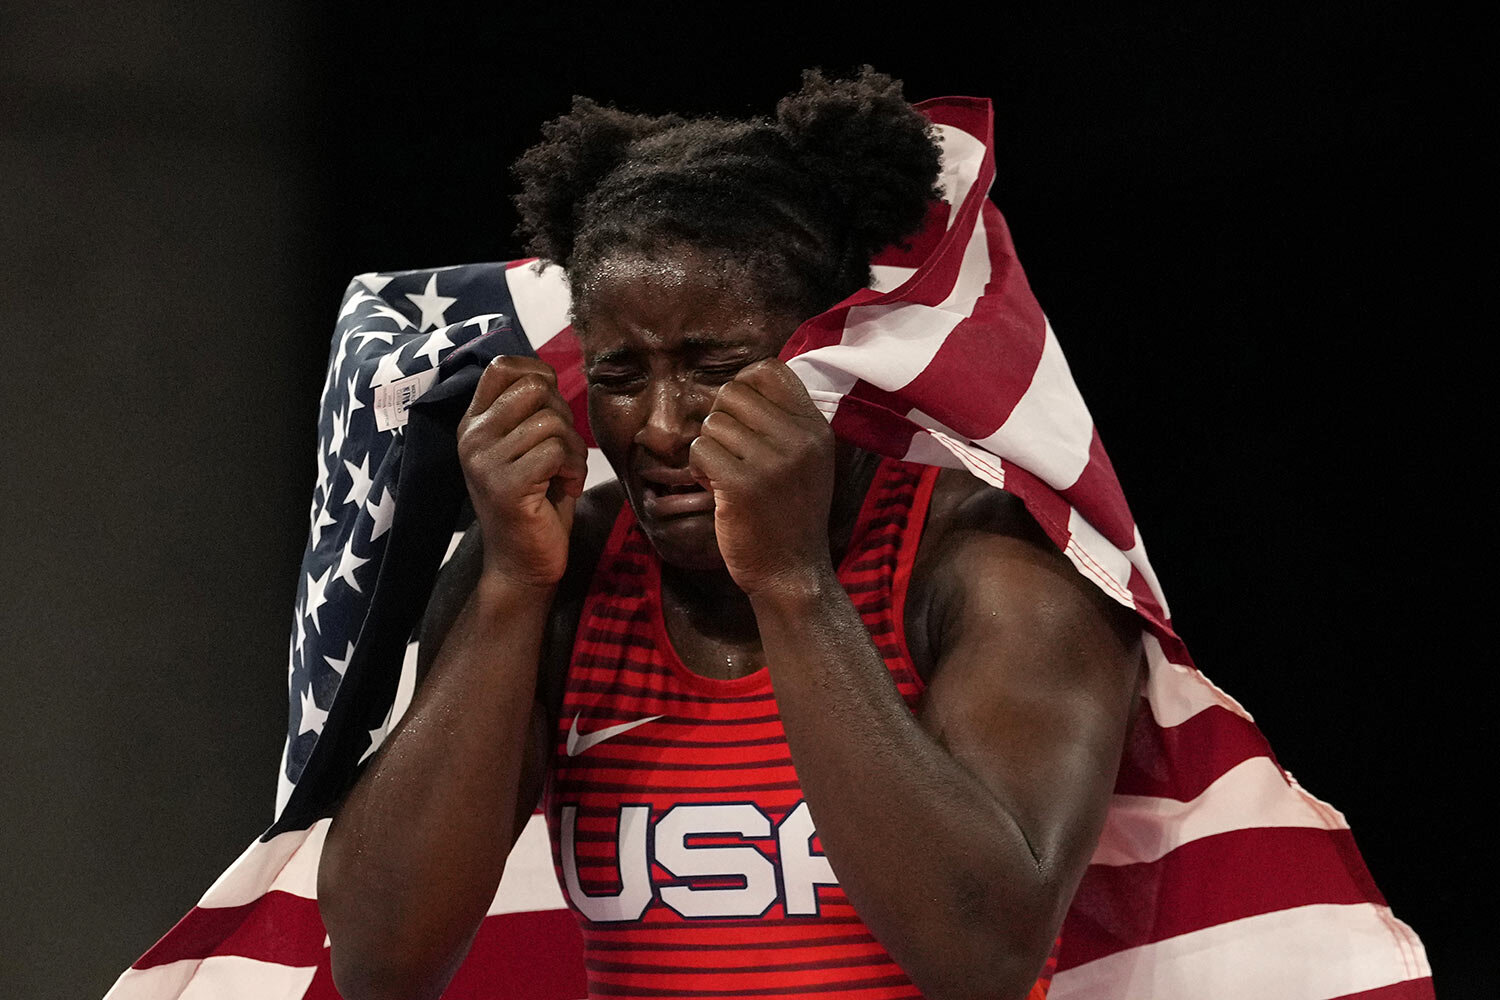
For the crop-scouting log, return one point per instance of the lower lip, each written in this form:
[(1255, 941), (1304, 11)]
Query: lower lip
[(659, 505)]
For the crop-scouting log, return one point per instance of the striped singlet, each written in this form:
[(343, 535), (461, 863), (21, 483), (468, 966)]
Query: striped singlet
[(679, 831)]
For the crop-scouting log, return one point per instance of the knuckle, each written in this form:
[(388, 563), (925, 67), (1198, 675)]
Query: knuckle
[(529, 382)]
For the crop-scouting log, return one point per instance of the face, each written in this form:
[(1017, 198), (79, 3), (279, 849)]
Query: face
[(663, 333)]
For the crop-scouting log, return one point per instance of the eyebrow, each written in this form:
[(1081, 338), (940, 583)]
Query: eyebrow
[(697, 342)]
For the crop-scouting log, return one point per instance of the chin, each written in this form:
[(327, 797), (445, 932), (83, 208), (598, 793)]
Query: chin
[(686, 543)]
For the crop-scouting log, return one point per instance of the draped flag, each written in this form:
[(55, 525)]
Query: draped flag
[(1216, 875)]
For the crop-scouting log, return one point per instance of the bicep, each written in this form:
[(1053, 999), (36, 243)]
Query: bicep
[(1035, 681)]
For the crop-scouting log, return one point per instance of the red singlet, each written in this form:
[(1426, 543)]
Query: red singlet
[(679, 831)]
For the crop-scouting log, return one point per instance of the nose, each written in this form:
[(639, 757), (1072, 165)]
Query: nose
[(675, 412)]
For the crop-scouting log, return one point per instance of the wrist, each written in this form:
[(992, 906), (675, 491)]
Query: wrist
[(797, 590), (499, 590)]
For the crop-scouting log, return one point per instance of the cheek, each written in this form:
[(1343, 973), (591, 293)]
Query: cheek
[(612, 422)]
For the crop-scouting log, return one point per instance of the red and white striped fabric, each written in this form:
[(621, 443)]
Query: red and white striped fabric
[(1217, 875)]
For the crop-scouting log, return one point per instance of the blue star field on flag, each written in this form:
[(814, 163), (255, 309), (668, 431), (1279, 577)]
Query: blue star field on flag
[(392, 331)]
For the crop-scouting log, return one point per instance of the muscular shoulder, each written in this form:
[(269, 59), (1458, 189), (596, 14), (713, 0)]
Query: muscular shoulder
[(980, 548)]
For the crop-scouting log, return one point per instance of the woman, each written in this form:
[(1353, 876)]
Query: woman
[(752, 627)]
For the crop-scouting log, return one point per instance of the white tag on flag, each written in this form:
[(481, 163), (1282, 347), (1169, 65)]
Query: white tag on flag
[(393, 399)]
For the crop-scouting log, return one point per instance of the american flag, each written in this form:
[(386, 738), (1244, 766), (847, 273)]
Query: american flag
[(1216, 874)]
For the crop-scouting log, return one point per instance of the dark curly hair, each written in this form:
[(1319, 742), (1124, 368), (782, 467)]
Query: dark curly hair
[(803, 201)]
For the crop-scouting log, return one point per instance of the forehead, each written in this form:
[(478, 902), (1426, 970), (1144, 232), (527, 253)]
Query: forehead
[(673, 300)]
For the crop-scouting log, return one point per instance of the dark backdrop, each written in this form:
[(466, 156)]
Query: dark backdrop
[(1247, 229)]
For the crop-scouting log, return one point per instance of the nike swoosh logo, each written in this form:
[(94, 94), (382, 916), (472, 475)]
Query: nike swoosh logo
[(578, 743)]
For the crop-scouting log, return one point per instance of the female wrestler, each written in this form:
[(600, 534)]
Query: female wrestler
[(755, 626)]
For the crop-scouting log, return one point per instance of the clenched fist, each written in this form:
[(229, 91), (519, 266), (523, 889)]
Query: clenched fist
[(524, 464), (767, 454)]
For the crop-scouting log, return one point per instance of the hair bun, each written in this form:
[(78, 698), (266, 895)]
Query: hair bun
[(578, 150), (873, 152)]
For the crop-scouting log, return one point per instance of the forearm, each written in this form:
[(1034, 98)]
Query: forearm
[(417, 848), (931, 858)]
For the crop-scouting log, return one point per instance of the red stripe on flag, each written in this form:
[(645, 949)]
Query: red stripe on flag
[(1097, 496), (277, 927), (922, 245), (875, 420), (1179, 762), (565, 355), (974, 115), (1412, 989), (987, 362), (1207, 882), (1145, 600), (944, 260), (537, 955), (1042, 502)]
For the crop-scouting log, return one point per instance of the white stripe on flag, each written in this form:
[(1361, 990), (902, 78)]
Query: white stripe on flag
[(962, 156), (1305, 953), (1177, 693), (541, 299), (1251, 795), (215, 978), (1098, 559), (889, 345), (1138, 559), (246, 880), (888, 277), (1049, 431), (530, 882), (973, 272), (155, 983)]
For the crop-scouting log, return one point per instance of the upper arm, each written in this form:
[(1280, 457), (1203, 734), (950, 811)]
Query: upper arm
[(1034, 677)]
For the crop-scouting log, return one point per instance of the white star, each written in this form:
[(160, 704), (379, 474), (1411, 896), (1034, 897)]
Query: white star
[(401, 321), (316, 597), (436, 342), (482, 321), (339, 666), (323, 521), (354, 302), (374, 282), (432, 305), (336, 438), (384, 336), (301, 634), (359, 489), (389, 369), (325, 470), (382, 512), (313, 717), (348, 563), (354, 400), (377, 737)]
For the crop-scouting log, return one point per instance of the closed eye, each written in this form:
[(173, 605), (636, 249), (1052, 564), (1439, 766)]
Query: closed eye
[(615, 380), (719, 374)]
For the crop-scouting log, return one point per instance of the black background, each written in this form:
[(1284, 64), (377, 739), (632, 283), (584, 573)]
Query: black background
[(1252, 231)]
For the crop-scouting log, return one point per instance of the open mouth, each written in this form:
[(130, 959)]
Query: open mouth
[(675, 499)]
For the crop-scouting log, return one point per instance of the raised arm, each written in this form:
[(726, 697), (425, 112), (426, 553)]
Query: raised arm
[(417, 848), (960, 833)]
